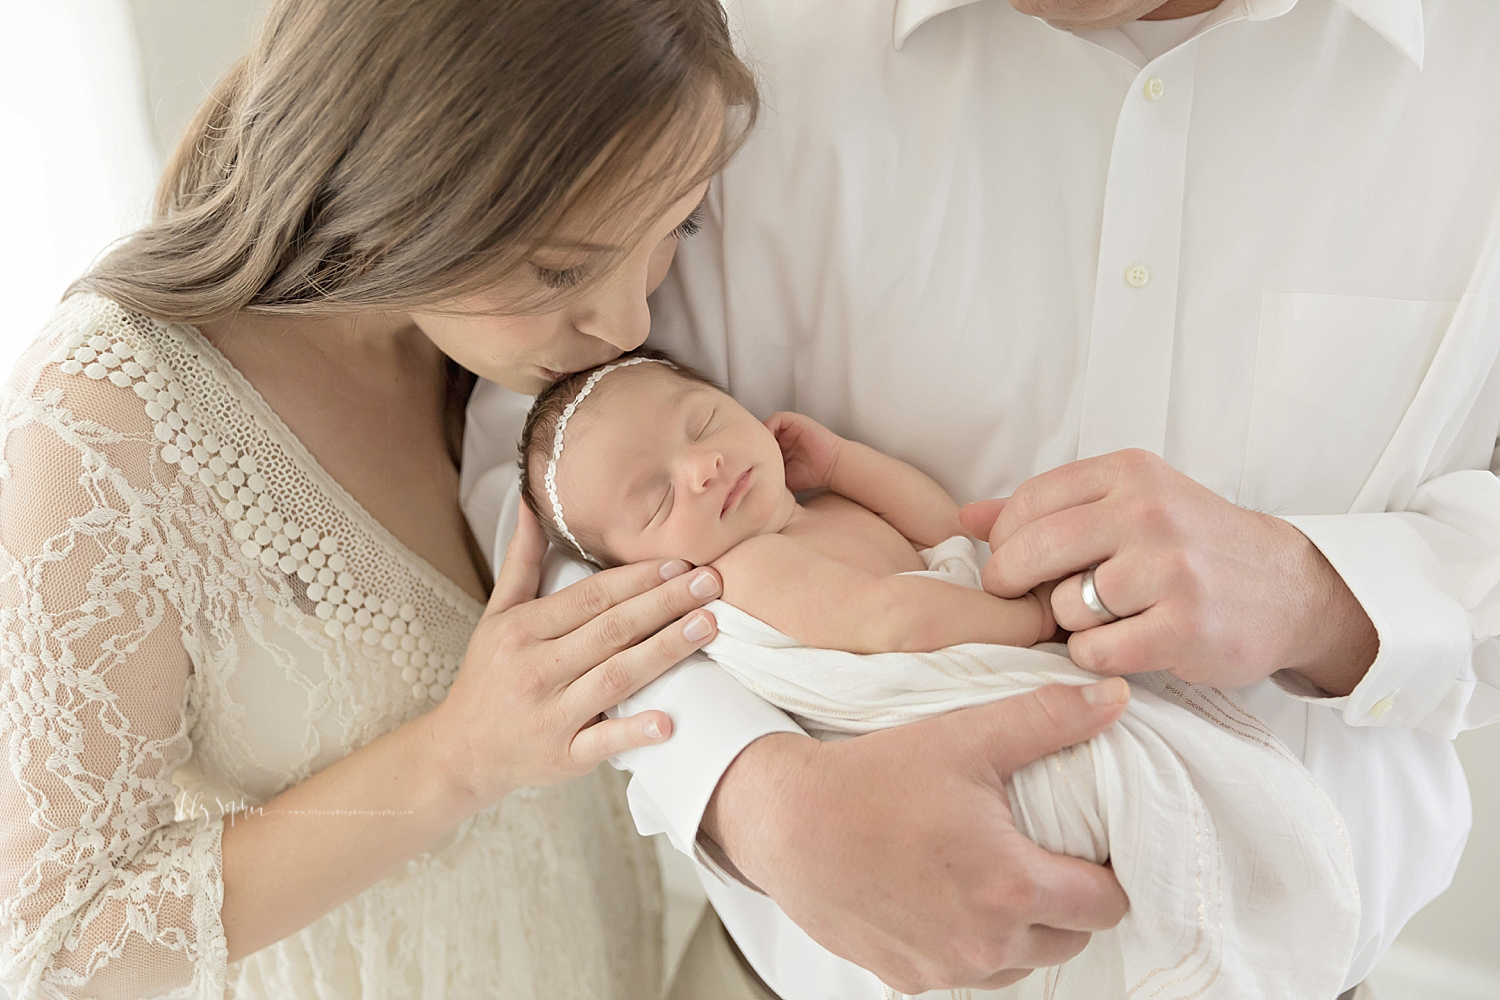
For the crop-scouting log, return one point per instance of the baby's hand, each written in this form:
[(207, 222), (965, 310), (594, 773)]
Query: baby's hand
[(809, 450)]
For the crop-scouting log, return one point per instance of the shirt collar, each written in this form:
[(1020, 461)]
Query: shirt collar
[(1398, 21)]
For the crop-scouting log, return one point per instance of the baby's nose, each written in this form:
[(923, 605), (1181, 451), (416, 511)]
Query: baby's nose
[(706, 465)]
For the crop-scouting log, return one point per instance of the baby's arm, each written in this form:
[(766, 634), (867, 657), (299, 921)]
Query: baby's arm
[(825, 603), (909, 500)]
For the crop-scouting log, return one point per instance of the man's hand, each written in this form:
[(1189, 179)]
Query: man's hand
[(1211, 592), (896, 850)]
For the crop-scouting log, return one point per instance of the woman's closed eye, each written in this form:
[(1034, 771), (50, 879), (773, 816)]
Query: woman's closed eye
[(691, 226), (560, 279), (564, 278)]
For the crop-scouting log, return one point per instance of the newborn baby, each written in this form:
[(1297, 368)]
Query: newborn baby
[(862, 609), (661, 463)]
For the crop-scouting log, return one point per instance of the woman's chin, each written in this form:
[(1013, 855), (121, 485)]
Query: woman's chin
[(526, 381)]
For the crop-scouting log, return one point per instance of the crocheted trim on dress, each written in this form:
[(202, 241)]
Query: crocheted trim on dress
[(265, 536)]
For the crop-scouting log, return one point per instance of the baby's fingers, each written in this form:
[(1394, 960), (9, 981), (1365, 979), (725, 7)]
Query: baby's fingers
[(607, 737), (777, 422)]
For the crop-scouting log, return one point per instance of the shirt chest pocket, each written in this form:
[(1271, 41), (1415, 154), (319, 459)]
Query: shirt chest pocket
[(1334, 374)]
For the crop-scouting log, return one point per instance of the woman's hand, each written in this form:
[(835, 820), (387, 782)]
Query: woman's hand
[(809, 450), (526, 707)]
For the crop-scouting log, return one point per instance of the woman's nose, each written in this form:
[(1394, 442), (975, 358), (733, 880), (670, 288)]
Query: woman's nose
[(616, 313)]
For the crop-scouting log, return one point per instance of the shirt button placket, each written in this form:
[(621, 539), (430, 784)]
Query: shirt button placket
[(1127, 384)]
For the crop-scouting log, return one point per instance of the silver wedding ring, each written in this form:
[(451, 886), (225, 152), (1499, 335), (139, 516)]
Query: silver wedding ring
[(1090, 595)]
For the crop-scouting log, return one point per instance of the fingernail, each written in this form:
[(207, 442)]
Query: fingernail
[(1108, 692), (653, 730), (696, 628), (676, 567), (704, 586)]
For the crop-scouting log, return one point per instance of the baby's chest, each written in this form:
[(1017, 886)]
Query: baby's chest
[(845, 531)]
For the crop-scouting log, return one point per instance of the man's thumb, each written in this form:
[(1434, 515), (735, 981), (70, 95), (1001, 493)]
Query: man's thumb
[(1021, 729)]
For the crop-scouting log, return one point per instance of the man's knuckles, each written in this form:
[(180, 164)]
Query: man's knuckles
[(1035, 546), (1138, 466), (975, 958)]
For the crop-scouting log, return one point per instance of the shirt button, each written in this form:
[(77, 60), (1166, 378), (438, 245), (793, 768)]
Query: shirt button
[(1136, 275), (1154, 88), (1382, 707)]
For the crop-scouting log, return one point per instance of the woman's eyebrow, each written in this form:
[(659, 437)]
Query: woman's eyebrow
[(585, 246), (578, 246)]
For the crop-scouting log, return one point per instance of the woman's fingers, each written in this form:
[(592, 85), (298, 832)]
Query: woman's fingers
[(632, 620), (631, 669), (571, 608), (608, 737), (521, 572)]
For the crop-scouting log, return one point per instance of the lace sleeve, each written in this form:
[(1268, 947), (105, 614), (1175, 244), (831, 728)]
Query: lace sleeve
[(105, 893)]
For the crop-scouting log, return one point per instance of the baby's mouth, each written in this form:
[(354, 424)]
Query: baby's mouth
[(740, 486)]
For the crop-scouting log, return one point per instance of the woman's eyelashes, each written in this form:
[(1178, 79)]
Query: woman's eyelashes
[(560, 279), (563, 278), (691, 226)]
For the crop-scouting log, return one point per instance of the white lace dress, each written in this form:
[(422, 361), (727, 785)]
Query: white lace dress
[(195, 615)]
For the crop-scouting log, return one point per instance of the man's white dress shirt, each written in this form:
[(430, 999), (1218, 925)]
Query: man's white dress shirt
[(1269, 252)]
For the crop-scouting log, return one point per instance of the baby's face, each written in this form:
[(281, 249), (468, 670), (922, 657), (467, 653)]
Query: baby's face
[(657, 466)]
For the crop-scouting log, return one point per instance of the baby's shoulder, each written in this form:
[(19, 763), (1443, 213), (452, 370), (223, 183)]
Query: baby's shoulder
[(769, 560), (775, 575), (757, 554)]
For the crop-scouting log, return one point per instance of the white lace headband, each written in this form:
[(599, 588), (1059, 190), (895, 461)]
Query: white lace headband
[(550, 479)]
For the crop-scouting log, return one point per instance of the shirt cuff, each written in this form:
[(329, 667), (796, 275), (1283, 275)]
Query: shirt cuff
[(1425, 637), (713, 719)]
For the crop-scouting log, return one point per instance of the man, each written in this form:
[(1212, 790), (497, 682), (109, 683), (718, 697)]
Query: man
[(1157, 280)]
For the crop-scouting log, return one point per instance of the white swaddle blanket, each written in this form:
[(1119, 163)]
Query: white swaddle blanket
[(1236, 864)]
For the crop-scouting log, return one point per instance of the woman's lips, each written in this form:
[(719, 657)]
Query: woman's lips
[(736, 491), (556, 375)]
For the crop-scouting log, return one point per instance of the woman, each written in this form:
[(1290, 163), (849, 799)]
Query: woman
[(253, 749)]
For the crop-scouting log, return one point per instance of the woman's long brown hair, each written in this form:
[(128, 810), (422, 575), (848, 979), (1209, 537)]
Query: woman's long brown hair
[(388, 154)]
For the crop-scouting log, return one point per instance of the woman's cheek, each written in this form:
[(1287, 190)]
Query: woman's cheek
[(660, 264)]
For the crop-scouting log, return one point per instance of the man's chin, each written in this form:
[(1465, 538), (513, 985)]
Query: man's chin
[(1086, 15)]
